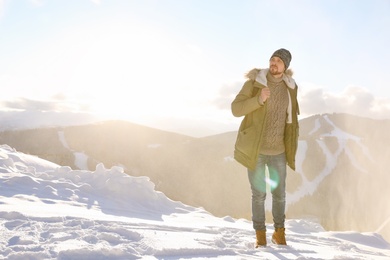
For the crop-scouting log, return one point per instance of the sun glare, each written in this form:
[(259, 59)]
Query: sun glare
[(137, 71)]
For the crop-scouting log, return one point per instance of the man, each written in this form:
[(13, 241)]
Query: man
[(268, 137)]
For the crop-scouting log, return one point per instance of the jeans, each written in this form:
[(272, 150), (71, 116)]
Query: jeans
[(277, 182)]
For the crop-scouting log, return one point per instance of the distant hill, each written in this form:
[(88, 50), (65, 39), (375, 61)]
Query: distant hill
[(340, 178)]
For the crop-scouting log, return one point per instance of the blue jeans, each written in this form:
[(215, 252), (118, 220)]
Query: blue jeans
[(277, 181)]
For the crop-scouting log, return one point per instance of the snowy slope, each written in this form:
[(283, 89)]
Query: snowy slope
[(308, 187), (53, 212)]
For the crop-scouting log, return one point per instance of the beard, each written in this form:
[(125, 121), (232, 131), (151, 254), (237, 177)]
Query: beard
[(275, 71)]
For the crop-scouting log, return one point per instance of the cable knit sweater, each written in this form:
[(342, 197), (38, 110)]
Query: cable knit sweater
[(273, 139)]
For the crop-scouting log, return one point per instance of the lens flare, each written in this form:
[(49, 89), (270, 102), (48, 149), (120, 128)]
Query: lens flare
[(273, 179), (272, 184), (268, 181)]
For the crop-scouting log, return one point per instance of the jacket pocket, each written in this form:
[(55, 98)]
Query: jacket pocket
[(246, 141)]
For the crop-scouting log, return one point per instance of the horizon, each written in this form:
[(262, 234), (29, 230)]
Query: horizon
[(180, 64), (24, 120)]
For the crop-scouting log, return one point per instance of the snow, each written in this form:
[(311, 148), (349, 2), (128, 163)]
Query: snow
[(311, 186), (53, 212)]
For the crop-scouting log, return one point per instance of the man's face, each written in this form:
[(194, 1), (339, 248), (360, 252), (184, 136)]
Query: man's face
[(276, 66)]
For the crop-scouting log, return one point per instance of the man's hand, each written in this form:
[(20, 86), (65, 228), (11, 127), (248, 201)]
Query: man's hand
[(265, 93)]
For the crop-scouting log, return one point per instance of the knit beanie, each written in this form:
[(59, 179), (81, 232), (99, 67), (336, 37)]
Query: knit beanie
[(284, 55)]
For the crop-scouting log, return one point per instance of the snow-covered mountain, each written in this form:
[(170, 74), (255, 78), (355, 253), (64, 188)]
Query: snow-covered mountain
[(342, 174), (341, 178), (49, 211)]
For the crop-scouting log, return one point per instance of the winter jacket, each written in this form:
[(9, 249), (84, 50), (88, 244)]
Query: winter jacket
[(249, 135)]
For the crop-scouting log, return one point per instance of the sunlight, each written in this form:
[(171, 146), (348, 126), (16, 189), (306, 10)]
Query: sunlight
[(144, 72)]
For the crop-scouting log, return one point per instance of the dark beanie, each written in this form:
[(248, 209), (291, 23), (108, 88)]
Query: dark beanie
[(284, 55)]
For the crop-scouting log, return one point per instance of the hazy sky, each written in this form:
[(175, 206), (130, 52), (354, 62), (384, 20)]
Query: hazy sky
[(178, 64)]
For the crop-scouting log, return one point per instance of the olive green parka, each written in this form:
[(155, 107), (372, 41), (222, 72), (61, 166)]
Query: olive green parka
[(250, 133)]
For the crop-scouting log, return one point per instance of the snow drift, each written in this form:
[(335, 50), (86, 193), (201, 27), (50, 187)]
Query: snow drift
[(53, 212)]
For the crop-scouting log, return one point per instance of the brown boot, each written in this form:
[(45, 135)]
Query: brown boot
[(279, 237), (261, 241)]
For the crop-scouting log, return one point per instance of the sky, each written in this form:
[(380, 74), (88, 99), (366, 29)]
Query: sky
[(49, 211), (179, 64)]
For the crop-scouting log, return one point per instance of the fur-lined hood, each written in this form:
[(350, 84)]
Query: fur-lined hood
[(260, 75)]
